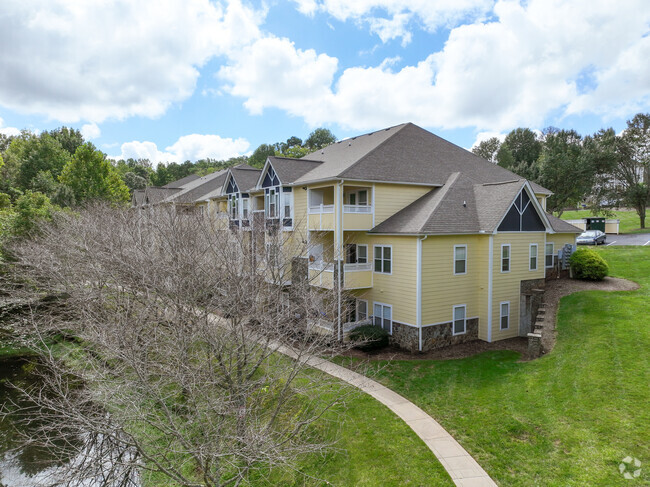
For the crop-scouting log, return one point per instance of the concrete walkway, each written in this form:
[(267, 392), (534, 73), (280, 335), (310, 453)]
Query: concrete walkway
[(460, 465)]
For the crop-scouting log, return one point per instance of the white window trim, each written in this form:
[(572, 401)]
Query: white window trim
[(367, 313), (501, 315), (392, 260), (530, 255), (356, 193), (454, 259), (552, 253), (366, 246), (509, 258), (374, 303), (453, 319)]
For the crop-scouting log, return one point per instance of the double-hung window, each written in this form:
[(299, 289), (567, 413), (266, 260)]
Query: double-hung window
[(532, 258), (362, 309), (549, 255), (272, 203), (244, 209), (383, 259), (505, 258), (505, 315), (460, 319), (383, 316), (287, 203), (233, 207), (460, 259)]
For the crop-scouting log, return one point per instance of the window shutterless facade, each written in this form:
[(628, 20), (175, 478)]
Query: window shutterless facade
[(532, 257), (459, 319), (505, 315), (383, 259), (383, 316), (505, 258), (460, 259), (549, 255)]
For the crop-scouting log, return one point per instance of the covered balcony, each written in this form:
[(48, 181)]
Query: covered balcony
[(358, 210), (321, 209)]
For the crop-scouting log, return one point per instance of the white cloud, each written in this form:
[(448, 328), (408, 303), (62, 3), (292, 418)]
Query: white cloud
[(512, 71), (390, 19), (482, 136), (91, 61), (8, 131), (273, 73), (90, 131), (188, 147)]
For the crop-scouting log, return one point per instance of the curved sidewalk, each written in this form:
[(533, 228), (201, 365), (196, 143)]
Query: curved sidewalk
[(460, 465)]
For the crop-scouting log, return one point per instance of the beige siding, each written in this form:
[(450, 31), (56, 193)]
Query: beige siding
[(506, 286), (299, 209), (397, 289), (390, 198), (441, 289)]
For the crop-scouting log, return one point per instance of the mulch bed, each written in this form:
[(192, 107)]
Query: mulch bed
[(462, 350)]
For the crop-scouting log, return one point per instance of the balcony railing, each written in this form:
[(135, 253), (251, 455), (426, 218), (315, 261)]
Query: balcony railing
[(321, 209), (321, 266), (357, 209), (357, 267)]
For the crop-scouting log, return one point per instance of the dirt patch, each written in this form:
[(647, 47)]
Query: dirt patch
[(558, 288), (461, 350)]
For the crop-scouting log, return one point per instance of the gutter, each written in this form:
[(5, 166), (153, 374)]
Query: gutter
[(418, 298)]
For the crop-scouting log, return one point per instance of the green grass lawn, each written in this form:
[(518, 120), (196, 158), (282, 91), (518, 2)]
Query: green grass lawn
[(375, 448), (629, 219), (566, 419)]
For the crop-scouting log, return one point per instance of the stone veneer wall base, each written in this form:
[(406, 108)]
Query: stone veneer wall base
[(433, 337)]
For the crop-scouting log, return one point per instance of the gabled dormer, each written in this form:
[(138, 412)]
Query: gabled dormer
[(278, 197), (525, 214)]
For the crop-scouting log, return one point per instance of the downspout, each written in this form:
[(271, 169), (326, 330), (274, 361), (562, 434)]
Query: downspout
[(418, 291), (339, 239), (489, 306)]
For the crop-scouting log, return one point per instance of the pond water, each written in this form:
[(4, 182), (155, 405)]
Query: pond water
[(30, 466), (22, 467)]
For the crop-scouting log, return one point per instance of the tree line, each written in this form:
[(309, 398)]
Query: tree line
[(602, 170)]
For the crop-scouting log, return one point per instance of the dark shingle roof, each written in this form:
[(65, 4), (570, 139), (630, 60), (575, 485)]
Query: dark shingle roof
[(290, 169), (459, 206), (560, 226), (404, 153), (182, 182), (245, 176), (194, 190)]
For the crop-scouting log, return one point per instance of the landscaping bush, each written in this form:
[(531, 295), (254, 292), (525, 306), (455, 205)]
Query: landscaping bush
[(369, 337), (588, 265)]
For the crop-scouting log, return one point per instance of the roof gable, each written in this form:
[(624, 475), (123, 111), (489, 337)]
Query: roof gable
[(522, 216)]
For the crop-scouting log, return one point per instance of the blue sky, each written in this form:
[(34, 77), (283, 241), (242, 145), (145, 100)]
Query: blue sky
[(175, 80)]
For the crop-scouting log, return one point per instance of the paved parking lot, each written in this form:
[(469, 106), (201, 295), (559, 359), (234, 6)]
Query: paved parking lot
[(633, 239)]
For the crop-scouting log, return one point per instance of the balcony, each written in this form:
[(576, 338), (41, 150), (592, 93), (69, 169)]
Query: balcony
[(321, 217), (355, 276), (321, 274), (358, 217)]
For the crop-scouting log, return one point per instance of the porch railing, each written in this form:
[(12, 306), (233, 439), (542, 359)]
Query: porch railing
[(316, 209), (357, 209)]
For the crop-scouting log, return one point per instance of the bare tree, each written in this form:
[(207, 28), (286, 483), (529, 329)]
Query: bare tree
[(173, 366)]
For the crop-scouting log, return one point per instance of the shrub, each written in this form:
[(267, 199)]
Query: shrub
[(589, 265), (369, 337)]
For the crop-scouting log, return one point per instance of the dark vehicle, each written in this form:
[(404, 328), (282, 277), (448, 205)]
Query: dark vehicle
[(591, 237)]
